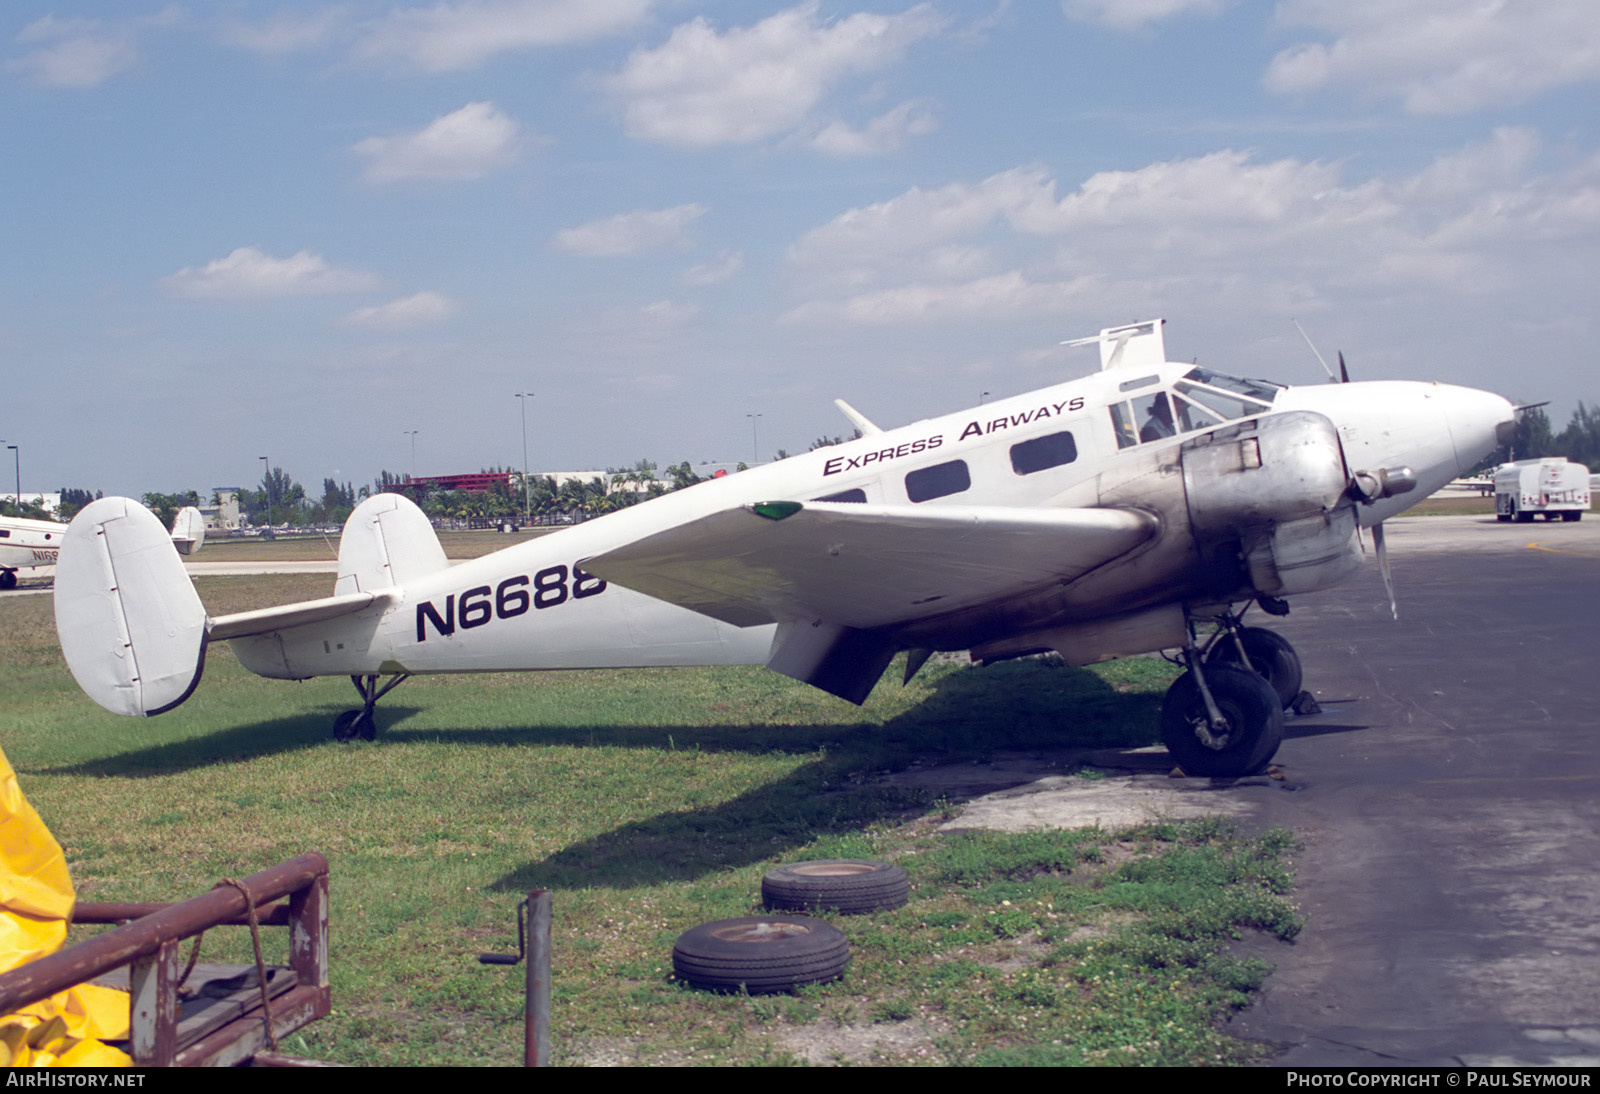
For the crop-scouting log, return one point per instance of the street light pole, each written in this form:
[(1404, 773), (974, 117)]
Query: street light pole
[(412, 433), (18, 450), (522, 398), (266, 476), (755, 445)]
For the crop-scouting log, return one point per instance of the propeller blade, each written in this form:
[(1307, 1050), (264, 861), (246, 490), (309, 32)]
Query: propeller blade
[(1383, 568), (1344, 373)]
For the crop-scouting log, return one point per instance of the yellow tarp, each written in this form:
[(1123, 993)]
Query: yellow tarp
[(36, 901)]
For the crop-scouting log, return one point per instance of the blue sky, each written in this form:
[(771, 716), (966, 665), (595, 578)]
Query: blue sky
[(300, 230)]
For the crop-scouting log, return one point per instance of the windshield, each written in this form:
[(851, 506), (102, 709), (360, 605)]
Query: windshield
[(1264, 390)]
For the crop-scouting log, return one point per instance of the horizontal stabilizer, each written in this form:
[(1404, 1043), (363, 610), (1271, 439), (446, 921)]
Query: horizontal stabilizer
[(132, 629), (866, 566), (267, 620)]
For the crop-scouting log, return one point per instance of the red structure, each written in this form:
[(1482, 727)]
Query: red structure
[(477, 483)]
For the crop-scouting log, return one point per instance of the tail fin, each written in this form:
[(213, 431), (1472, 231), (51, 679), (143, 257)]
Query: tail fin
[(386, 542), (188, 530), (131, 626)]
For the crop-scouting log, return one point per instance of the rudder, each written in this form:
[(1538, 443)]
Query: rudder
[(386, 542), (131, 626)]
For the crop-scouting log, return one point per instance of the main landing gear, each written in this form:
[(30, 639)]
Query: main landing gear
[(8, 579), (1223, 718), (362, 722)]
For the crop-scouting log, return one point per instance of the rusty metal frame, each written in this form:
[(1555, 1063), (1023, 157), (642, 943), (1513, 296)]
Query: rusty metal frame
[(149, 945)]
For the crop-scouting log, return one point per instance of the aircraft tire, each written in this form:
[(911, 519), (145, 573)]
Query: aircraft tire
[(760, 954), (1249, 705), (349, 725), (8, 579), (1271, 656), (848, 886)]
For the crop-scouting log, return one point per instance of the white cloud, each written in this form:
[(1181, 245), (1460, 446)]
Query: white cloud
[(409, 312), (1440, 56), (247, 273), (1222, 225), (451, 37), (285, 32), (74, 52), (627, 234), (1133, 14), (718, 269), (464, 144), (885, 133), (703, 88), (668, 313), (1007, 294)]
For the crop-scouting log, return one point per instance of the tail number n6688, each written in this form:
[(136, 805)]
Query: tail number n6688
[(550, 587)]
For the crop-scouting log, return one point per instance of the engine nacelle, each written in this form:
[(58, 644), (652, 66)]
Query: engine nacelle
[(1268, 505)]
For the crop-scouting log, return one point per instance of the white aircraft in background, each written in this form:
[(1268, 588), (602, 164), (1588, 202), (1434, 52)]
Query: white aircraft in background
[(26, 543), (1111, 515)]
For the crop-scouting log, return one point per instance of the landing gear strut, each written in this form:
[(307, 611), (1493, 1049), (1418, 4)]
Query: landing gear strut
[(1266, 653), (1219, 719), (363, 722)]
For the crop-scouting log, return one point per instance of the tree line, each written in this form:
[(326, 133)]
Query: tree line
[(1534, 437)]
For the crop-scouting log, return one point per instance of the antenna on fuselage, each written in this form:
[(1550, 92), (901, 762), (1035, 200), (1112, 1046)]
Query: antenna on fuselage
[(857, 419), (1344, 373)]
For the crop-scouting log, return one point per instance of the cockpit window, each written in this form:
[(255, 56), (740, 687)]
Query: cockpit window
[(1191, 417), (1218, 402), (1263, 390), (1154, 416)]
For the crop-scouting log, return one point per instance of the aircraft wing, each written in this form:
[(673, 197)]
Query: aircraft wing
[(865, 566)]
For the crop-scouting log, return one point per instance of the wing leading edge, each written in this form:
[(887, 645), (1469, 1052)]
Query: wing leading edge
[(839, 577)]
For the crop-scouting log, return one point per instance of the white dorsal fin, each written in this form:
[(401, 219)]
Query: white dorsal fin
[(1135, 345), (857, 419)]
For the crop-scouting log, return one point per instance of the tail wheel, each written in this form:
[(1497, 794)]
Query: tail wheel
[(355, 723), (1270, 656), (1252, 726)]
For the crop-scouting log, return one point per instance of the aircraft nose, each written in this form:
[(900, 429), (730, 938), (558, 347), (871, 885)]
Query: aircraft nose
[(1479, 422)]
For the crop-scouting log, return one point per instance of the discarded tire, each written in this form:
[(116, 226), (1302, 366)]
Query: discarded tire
[(847, 885), (760, 954)]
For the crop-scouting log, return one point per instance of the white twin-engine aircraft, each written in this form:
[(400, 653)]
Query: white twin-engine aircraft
[(25, 544), (1103, 517)]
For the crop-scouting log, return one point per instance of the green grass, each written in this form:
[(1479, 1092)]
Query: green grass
[(649, 801)]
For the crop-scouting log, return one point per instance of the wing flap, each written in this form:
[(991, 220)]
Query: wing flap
[(866, 566)]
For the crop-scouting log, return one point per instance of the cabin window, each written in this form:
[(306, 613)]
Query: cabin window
[(844, 495), (1122, 425), (1043, 453), (938, 481), (5, 533)]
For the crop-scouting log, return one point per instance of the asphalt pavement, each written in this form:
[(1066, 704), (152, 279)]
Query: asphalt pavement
[(1449, 799)]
